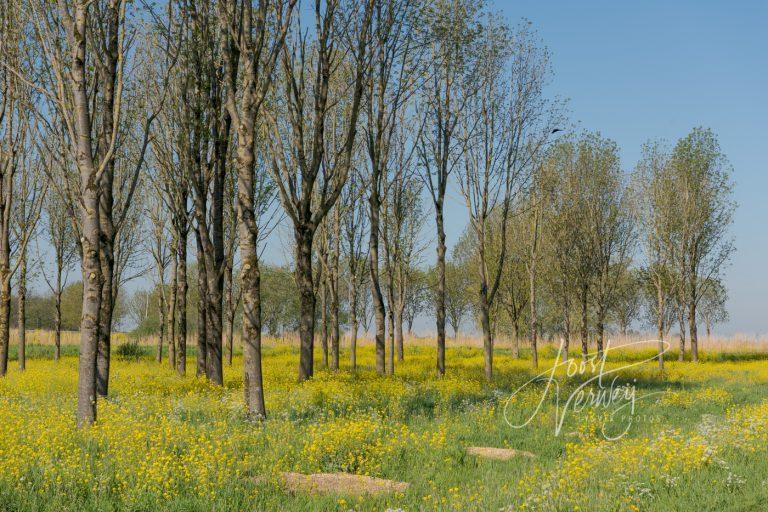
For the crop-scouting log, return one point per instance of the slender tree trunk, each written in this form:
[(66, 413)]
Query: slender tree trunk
[(600, 329), (251, 289), (485, 309), (379, 312), (391, 342), (353, 326), (182, 287), (485, 322), (172, 314), (399, 341), (105, 322), (161, 337), (22, 311), (202, 314), (230, 337), (108, 82), (89, 214), (440, 310), (304, 237), (229, 307), (334, 285), (89, 322), (600, 334), (660, 326), (335, 332), (213, 332), (57, 321), (516, 334), (5, 322), (681, 321), (324, 318), (693, 330)]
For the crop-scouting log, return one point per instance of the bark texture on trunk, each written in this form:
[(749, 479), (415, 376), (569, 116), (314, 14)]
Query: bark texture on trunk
[(485, 322), (660, 327), (391, 342), (251, 283), (181, 305), (57, 323), (694, 333), (161, 336), (105, 325), (353, 327), (379, 312), (440, 309), (5, 323), (21, 320), (202, 314), (304, 237), (172, 313), (681, 322), (89, 221), (399, 338)]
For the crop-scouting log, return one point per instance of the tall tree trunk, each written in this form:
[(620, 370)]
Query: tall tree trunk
[(353, 325), (567, 329), (334, 285), (57, 321), (213, 330), (108, 71), (161, 337), (681, 322), (324, 318), (335, 332), (251, 289), (693, 330), (89, 322), (600, 333), (304, 237), (379, 312), (22, 311), (202, 313), (5, 321), (181, 305), (440, 309), (660, 325), (399, 331), (90, 226), (485, 322), (516, 334), (230, 337), (229, 310), (105, 320), (172, 314)]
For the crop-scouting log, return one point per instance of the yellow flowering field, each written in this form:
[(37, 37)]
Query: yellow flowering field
[(697, 440)]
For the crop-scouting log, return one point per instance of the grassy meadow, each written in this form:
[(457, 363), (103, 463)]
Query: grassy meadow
[(698, 441)]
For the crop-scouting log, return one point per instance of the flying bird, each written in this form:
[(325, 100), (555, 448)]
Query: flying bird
[(556, 130)]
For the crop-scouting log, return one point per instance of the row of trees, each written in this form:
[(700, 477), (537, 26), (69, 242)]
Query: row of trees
[(134, 132)]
